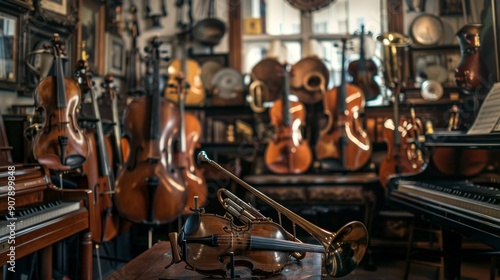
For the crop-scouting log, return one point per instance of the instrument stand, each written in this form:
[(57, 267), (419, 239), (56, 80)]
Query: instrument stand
[(150, 237), (232, 267)]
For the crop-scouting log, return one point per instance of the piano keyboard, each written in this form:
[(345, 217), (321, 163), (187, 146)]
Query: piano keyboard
[(27, 217), (463, 195)]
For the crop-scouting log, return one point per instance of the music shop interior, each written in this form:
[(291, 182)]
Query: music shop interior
[(251, 139)]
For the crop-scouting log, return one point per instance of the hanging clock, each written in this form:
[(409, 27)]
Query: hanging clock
[(427, 30)]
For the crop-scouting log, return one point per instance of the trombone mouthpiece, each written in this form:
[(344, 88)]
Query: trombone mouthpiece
[(202, 156)]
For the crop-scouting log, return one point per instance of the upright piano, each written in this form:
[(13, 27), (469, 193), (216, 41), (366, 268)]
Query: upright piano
[(43, 215), (461, 206)]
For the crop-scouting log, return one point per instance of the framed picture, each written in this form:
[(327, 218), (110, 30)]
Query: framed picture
[(91, 34), (115, 55), (62, 12), (436, 63), (454, 7), (9, 27)]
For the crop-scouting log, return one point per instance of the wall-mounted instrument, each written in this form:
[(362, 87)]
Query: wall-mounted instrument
[(149, 189), (263, 246), (100, 178), (343, 144), (267, 84), (471, 74), (134, 57), (190, 132), (363, 71), (287, 153), (228, 87), (195, 95), (156, 16), (310, 79), (210, 30), (60, 144)]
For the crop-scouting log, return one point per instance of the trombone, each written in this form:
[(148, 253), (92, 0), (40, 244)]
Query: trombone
[(343, 250)]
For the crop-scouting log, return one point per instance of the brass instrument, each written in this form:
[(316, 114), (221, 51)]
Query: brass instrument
[(392, 57), (343, 250), (310, 79), (258, 95)]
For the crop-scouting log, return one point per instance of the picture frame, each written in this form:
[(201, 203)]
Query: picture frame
[(453, 7), (61, 12), (437, 63), (9, 41), (115, 55), (35, 37), (91, 34)]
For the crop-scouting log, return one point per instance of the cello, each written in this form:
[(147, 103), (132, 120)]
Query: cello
[(60, 144), (149, 189), (363, 71), (343, 144), (100, 179), (288, 153), (189, 137)]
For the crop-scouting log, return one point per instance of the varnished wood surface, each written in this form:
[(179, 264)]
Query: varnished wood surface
[(331, 178), (151, 264)]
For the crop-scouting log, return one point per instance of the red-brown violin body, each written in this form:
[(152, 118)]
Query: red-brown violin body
[(363, 71), (60, 144), (288, 153), (343, 144)]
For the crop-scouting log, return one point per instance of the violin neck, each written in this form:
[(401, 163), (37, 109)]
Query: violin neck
[(362, 62), (61, 93), (116, 129), (182, 91), (286, 101)]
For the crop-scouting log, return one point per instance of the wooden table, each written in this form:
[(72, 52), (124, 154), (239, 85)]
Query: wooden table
[(151, 265)]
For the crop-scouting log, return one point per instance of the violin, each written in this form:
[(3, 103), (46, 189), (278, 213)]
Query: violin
[(288, 153), (120, 148), (363, 71), (149, 189), (343, 144), (262, 247), (100, 179), (61, 143), (189, 137), (401, 157)]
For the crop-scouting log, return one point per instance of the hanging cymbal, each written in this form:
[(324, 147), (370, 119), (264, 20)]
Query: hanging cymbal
[(310, 79)]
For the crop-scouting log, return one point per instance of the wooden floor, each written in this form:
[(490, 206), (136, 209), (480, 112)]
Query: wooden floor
[(389, 268)]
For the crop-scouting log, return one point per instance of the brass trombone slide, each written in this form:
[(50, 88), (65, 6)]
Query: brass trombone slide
[(344, 249)]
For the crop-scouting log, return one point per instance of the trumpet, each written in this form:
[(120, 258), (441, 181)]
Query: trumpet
[(343, 250)]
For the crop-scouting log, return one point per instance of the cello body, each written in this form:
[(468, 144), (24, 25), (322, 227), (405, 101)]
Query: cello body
[(344, 144), (288, 153), (363, 71), (148, 189)]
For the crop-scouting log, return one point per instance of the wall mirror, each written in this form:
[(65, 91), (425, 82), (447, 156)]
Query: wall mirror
[(8, 50)]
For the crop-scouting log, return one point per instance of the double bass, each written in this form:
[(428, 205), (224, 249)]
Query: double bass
[(363, 71), (343, 144), (61, 143), (99, 177), (288, 153), (149, 189)]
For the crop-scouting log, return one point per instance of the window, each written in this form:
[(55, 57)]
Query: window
[(288, 34)]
